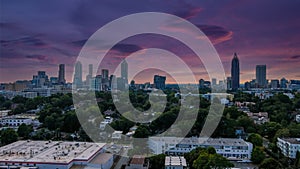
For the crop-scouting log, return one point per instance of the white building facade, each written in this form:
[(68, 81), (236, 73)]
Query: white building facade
[(227, 147), (289, 146)]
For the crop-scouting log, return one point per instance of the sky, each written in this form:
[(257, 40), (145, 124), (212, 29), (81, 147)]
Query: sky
[(39, 35)]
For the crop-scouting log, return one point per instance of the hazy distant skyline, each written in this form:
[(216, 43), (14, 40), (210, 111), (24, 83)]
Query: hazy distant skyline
[(40, 35)]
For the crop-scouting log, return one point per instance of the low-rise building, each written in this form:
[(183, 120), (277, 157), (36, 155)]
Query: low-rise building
[(175, 162), (289, 146), (52, 154), (116, 135), (137, 162), (15, 121), (227, 147), (259, 118)]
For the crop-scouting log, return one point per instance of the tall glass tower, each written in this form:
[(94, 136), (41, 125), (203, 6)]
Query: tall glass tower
[(235, 72)]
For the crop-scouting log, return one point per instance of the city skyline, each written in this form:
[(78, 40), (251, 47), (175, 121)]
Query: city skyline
[(39, 40)]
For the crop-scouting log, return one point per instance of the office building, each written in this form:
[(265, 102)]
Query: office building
[(54, 154), (261, 76), (274, 84), (124, 71), (229, 83), (213, 81), (201, 83), (39, 80), (159, 82), (105, 79), (289, 146), (89, 76), (78, 75), (235, 72), (61, 74), (227, 147), (138, 162), (283, 83), (104, 73)]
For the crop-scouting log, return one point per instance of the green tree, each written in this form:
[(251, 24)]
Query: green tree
[(8, 136), (24, 130), (70, 122), (270, 163), (256, 139), (281, 133), (142, 132), (211, 161), (157, 162), (257, 155)]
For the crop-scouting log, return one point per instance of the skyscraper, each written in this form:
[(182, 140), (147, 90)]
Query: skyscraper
[(61, 74), (283, 83), (124, 71), (159, 81), (78, 74), (89, 77), (105, 73), (105, 80), (41, 79), (235, 72), (261, 74), (91, 70)]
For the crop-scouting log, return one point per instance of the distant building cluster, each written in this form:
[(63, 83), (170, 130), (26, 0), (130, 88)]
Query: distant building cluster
[(261, 81)]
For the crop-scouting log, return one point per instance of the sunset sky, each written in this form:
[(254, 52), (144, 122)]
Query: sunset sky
[(39, 35)]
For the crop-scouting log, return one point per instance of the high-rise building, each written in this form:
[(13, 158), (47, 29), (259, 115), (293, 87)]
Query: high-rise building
[(105, 80), (104, 73), (213, 81), (229, 83), (159, 81), (61, 74), (96, 83), (201, 84), (124, 71), (274, 84), (283, 83), (89, 76), (78, 74), (91, 70), (39, 80), (235, 72), (261, 76)]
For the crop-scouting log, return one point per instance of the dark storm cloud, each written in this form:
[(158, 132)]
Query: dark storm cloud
[(260, 31), (126, 48), (37, 57), (188, 13), (216, 34), (295, 57), (27, 40)]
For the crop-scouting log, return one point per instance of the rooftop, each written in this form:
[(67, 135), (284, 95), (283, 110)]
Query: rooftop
[(203, 141), (137, 159), (292, 140), (175, 161), (49, 151)]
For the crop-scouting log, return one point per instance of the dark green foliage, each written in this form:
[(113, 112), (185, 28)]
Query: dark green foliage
[(257, 155), (8, 136), (202, 158), (24, 130), (270, 163), (157, 162), (255, 139)]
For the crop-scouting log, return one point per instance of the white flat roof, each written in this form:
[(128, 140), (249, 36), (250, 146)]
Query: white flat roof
[(175, 161), (49, 151)]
